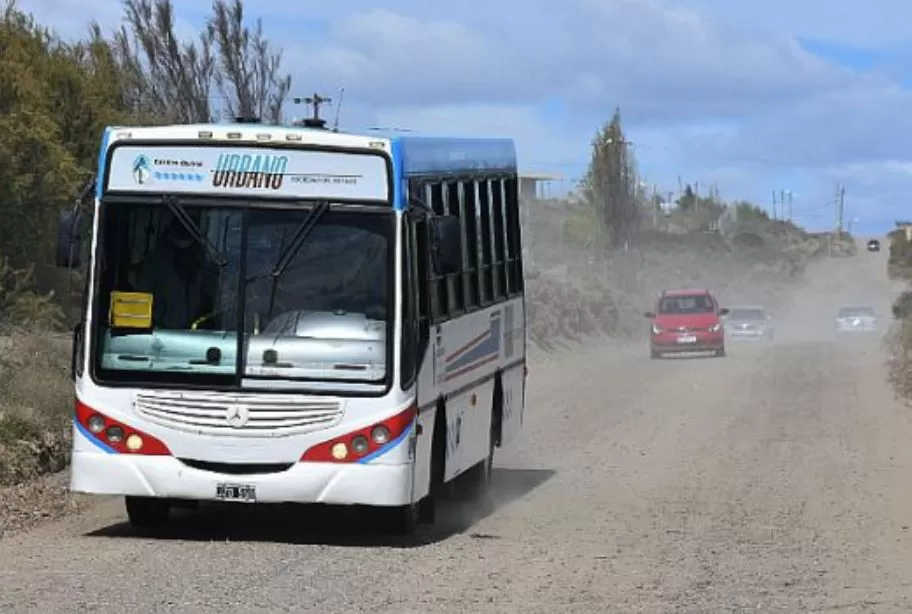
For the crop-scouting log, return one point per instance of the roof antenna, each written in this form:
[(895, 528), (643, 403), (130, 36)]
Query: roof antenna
[(338, 109), (314, 101)]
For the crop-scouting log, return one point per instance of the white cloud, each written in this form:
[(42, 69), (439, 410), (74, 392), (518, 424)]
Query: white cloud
[(709, 89), (659, 61), (873, 24)]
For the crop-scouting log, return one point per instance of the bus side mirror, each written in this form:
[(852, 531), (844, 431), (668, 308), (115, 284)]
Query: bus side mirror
[(446, 244), (69, 240)]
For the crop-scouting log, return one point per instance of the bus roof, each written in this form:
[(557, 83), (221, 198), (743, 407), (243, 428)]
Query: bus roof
[(428, 155), (244, 133), (413, 156)]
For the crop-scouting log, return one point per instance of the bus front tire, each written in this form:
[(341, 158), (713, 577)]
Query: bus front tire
[(147, 512), (404, 520)]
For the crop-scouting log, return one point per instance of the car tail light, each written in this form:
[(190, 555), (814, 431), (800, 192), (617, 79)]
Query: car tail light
[(115, 435), (357, 445)]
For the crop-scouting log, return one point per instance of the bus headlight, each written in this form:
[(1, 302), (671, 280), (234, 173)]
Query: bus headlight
[(96, 424), (134, 442), (380, 435), (339, 451), (360, 444)]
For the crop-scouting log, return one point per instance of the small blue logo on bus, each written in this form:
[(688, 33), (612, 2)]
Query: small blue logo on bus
[(142, 169)]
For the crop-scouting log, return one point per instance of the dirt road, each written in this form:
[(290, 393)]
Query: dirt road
[(775, 479)]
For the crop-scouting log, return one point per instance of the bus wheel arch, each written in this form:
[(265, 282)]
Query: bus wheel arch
[(436, 488)]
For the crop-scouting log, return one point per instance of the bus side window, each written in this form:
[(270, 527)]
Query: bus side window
[(470, 268), (484, 247), (439, 297), (514, 246), (495, 199), (455, 289)]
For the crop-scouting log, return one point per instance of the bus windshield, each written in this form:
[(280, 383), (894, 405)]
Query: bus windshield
[(311, 305)]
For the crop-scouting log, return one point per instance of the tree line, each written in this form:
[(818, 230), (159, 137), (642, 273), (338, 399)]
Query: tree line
[(617, 207), (57, 96)]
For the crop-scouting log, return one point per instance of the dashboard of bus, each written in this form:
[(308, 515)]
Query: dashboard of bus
[(210, 292)]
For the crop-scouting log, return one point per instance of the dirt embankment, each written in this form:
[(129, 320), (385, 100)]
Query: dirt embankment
[(899, 338)]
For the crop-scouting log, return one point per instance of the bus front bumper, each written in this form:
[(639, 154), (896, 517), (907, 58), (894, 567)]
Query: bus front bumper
[(100, 473)]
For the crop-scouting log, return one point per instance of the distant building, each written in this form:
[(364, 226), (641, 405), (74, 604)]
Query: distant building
[(537, 186)]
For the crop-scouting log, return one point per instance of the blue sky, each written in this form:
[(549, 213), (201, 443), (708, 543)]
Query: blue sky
[(757, 96)]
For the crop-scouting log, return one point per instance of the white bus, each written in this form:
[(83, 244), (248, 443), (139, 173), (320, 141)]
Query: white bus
[(277, 314)]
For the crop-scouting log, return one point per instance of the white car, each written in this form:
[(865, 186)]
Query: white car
[(856, 319)]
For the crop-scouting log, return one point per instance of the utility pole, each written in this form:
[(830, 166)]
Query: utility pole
[(774, 204), (655, 206), (840, 208), (790, 206)]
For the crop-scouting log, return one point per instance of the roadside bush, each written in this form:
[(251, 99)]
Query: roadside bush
[(36, 401), (902, 306), (21, 305)]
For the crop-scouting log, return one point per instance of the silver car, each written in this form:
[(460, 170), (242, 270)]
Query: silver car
[(856, 319), (749, 323)]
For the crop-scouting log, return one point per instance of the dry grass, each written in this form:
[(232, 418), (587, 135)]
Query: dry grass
[(36, 405), (899, 344)]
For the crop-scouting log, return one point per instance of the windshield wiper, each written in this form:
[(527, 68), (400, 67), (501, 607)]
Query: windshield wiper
[(300, 236), (287, 256), (190, 226)]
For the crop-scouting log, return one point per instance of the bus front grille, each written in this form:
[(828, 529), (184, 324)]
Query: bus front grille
[(238, 415)]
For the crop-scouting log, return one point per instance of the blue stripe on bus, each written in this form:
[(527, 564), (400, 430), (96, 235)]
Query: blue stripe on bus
[(388, 447), (98, 444), (400, 199), (102, 158)]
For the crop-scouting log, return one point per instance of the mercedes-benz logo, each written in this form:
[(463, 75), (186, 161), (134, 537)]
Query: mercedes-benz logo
[(237, 416)]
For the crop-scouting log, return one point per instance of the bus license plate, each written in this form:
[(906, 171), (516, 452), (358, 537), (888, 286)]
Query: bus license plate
[(244, 493), (687, 339)]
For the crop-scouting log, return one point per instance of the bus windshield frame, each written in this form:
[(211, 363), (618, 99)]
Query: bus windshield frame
[(348, 244)]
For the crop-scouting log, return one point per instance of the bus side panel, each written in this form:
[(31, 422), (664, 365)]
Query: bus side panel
[(468, 428), (513, 376), (514, 385), (470, 349), (421, 482)]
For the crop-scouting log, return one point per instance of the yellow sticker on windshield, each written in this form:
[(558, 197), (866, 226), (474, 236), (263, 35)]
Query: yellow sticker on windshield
[(130, 310)]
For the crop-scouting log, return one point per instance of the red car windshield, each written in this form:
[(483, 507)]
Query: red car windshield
[(686, 304)]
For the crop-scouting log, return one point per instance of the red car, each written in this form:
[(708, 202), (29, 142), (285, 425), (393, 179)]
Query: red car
[(687, 321)]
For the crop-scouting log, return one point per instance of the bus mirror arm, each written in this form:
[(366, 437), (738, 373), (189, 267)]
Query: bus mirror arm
[(446, 244), (69, 239), (70, 227)]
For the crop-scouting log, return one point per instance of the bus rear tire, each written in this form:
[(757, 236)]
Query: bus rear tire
[(147, 512)]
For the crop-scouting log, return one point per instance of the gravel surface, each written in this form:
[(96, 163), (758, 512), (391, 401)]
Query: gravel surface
[(772, 480)]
